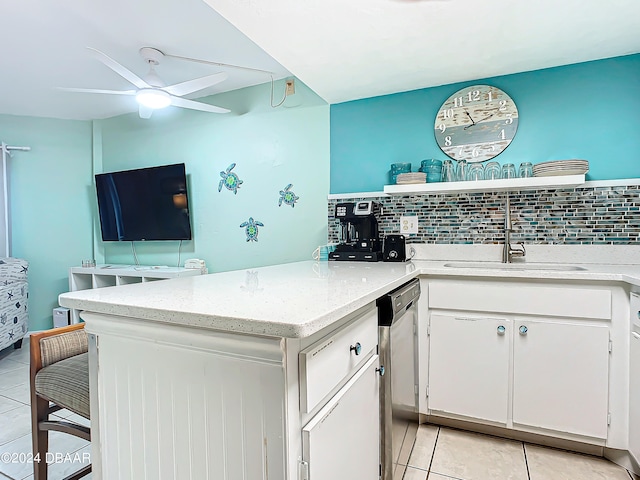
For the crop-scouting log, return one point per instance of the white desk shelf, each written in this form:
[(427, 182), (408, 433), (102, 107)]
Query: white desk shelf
[(83, 278), (501, 185)]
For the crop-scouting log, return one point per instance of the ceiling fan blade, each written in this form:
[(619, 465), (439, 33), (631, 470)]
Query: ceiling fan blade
[(204, 107), (119, 69), (196, 84), (145, 112), (94, 90)]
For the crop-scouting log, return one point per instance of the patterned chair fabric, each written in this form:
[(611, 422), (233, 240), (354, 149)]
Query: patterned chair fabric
[(58, 347), (66, 383), (59, 378), (14, 294)]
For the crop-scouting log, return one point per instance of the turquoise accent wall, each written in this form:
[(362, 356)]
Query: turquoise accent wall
[(588, 111), (53, 205), (271, 149), (51, 201)]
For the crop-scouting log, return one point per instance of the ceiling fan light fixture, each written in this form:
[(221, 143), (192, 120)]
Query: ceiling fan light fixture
[(153, 98)]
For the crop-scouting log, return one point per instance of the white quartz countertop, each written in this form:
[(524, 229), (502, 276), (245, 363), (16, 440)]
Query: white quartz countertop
[(288, 300), (552, 271), (299, 299)]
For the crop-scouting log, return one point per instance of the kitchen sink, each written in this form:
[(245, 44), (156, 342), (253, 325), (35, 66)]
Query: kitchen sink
[(516, 266)]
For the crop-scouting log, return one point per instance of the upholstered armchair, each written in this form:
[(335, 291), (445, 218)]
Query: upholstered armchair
[(14, 292)]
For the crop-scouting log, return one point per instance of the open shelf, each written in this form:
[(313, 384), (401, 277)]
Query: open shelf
[(81, 282), (85, 278), (128, 280), (100, 281), (503, 184)]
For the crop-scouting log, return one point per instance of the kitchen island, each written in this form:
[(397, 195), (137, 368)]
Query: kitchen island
[(250, 374)]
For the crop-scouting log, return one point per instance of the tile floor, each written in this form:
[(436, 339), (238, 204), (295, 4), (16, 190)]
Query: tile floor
[(438, 454), (15, 423), (441, 453)]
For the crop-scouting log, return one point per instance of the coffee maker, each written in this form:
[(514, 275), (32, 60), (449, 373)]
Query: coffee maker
[(359, 239)]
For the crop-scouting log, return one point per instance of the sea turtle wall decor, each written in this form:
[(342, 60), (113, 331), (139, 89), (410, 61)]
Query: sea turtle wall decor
[(230, 180), (288, 197), (251, 229)]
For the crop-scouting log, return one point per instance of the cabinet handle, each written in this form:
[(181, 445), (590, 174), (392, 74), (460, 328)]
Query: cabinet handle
[(357, 348), (523, 330), (380, 370), (501, 330), (636, 335)]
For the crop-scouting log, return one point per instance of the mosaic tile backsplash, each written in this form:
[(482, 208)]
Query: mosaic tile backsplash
[(574, 216)]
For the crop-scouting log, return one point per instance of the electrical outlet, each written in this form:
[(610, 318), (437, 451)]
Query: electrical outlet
[(290, 87), (409, 224)]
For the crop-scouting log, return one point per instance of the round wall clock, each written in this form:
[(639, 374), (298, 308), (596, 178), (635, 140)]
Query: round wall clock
[(476, 123)]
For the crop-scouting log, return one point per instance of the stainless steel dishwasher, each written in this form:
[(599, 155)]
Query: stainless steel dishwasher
[(397, 344)]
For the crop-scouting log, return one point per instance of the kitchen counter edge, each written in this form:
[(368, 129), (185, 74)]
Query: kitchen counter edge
[(245, 324)]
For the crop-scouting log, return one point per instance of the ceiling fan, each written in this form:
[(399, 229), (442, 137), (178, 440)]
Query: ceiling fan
[(151, 92)]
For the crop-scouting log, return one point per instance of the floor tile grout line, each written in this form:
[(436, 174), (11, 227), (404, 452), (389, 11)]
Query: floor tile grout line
[(433, 453), (8, 398), (20, 366), (8, 476), (526, 462), (14, 408), (15, 400)]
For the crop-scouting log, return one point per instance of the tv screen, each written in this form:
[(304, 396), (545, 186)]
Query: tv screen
[(144, 204)]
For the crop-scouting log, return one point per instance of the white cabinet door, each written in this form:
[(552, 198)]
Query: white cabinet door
[(634, 396), (343, 439), (560, 376), (634, 378), (469, 366)]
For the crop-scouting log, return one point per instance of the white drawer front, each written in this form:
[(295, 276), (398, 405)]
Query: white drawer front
[(326, 363), (557, 301), (343, 439)]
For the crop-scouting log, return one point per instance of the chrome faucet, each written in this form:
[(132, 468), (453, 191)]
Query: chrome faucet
[(508, 252)]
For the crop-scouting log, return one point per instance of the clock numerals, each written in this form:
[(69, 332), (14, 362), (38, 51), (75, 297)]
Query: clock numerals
[(476, 123), (474, 95)]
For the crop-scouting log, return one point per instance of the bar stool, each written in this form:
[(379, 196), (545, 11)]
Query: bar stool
[(59, 377)]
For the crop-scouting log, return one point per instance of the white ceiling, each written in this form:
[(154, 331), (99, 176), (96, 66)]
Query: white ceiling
[(341, 50), (344, 50), (43, 46)]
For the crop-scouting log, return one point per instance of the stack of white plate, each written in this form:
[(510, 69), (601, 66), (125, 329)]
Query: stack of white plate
[(407, 178), (561, 167)]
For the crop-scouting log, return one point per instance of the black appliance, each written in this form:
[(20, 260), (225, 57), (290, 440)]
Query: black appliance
[(359, 238), (395, 249), (144, 204)]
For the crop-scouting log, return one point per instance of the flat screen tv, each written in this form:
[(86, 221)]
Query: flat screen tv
[(144, 204)]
